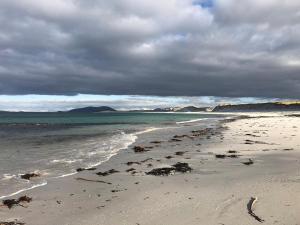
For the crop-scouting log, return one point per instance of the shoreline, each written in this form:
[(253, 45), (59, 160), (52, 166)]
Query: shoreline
[(131, 189), (48, 179)]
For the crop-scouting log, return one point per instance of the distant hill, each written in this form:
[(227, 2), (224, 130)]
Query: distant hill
[(91, 109), (259, 107), (192, 109)]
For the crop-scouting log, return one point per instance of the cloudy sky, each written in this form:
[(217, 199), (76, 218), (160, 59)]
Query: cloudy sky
[(79, 52)]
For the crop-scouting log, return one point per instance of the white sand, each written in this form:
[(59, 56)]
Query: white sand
[(215, 192)]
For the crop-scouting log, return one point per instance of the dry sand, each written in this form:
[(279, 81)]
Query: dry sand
[(216, 191)]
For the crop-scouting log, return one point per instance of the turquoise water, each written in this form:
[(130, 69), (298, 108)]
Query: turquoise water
[(100, 118), (56, 144)]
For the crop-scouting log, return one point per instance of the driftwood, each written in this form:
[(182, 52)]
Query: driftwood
[(250, 210), (96, 181)]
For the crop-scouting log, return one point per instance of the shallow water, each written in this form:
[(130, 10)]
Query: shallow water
[(56, 144)]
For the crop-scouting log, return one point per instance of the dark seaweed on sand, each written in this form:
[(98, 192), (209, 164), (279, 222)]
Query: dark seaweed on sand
[(166, 171)]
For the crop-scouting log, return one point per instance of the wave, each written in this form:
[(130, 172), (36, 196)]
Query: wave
[(192, 121), (23, 190), (116, 144)]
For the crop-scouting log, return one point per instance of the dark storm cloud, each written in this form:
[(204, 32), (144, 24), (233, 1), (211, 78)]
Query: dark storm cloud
[(169, 48)]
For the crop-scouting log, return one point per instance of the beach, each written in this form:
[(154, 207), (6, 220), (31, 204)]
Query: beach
[(236, 171)]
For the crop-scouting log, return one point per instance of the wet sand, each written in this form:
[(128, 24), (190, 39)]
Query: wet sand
[(245, 171)]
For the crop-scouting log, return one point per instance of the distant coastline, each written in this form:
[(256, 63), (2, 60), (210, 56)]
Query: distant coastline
[(254, 107)]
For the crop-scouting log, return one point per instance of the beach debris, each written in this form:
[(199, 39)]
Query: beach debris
[(250, 205), (219, 156), (288, 149), (169, 157), (115, 190), (166, 171), (139, 149), (139, 163), (131, 163), (83, 169), (12, 202), (28, 176), (11, 223), (179, 153), (232, 151), (182, 167), (293, 115), (175, 140), (130, 170), (250, 162), (223, 156), (250, 142), (182, 136), (106, 173), (252, 135), (232, 156), (96, 181), (146, 160), (156, 142)]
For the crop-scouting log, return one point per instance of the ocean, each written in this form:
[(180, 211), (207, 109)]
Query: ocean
[(54, 145)]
